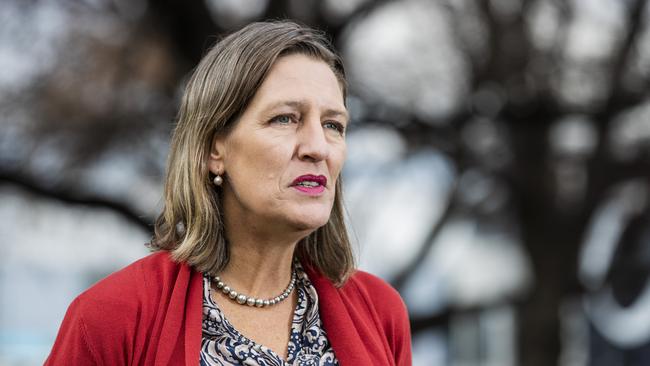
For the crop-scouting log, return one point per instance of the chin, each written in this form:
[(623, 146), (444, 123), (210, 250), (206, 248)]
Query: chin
[(305, 217), (308, 225), (307, 220)]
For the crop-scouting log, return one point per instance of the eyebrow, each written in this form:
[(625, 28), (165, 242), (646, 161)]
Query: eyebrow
[(299, 104)]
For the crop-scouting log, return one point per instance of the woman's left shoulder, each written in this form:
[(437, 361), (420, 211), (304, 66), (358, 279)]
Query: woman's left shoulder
[(375, 286), (377, 294)]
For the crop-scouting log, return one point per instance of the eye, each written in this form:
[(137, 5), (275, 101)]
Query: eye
[(283, 119), (336, 126)]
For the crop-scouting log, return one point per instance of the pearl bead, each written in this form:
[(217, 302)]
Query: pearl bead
[(267, 303), (233, 294), (241, 299), (250, 301), (225, 289), (259, 303)]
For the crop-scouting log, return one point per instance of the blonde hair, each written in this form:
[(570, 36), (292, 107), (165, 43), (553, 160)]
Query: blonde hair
[(191, 224)]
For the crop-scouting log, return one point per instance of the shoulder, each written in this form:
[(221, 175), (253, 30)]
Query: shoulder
[(364, 292), (380, 300), (136, 279), (138, 285), (370, 282), (374, 289), (111, 312), (129, 297)]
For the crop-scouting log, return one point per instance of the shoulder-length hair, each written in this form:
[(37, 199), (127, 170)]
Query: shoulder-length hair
[(191, 225)]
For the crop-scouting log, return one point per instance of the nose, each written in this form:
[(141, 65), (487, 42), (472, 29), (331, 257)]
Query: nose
[(312, 142)]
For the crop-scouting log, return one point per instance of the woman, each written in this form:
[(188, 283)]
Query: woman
[(253, 263)]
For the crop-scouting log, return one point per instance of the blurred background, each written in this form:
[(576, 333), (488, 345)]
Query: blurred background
[(498, 172)]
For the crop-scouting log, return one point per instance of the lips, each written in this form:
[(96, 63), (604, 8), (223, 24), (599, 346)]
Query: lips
[(310, 181)]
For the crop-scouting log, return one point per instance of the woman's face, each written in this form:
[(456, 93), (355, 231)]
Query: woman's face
[(284, 155)]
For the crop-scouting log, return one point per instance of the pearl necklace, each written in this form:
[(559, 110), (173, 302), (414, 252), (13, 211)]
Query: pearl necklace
[(251, 301)]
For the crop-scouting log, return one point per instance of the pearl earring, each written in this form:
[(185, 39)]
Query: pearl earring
[(217, 180)]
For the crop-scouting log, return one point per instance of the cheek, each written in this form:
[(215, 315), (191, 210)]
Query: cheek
[(272, 161), (259, 163)]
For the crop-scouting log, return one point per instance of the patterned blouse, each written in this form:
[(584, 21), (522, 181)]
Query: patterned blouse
[(222, 344)]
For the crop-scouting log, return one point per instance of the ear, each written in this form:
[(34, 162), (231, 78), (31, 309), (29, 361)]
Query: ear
[(216, 163)]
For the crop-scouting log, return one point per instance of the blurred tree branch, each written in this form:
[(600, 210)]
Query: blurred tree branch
[(619, 98), (72, 197), (428, 243)]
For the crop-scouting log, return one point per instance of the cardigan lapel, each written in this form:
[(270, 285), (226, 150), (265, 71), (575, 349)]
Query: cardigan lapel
[(193, 319), (181, 327), (174, 315)]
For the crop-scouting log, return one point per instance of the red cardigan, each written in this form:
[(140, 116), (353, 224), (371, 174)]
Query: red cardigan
[(150, 313)]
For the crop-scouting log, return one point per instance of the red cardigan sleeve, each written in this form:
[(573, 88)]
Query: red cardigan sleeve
[(100, 325), (72, 346)]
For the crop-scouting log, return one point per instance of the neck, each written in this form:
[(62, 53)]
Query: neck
[(259, 267)]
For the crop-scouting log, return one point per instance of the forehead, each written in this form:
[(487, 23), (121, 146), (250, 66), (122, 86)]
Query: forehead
[(300, 77)]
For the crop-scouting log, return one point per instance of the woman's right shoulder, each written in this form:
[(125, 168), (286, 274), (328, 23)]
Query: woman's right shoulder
[(130, 290), (139, 279), (114, 311)]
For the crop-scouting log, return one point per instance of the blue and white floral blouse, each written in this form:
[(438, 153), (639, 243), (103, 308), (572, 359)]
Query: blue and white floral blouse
[(222, 344)]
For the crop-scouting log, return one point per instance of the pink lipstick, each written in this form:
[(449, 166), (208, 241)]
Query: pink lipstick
[(310, 184)]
